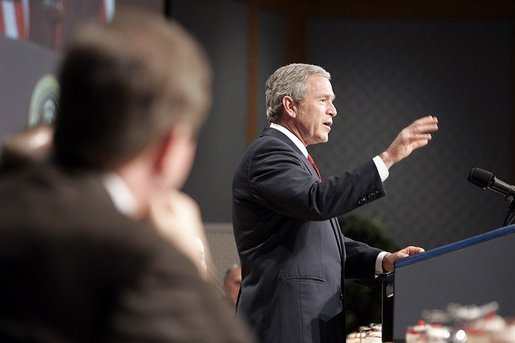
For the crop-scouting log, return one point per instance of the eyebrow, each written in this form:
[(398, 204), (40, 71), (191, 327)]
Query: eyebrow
[(328, 96)]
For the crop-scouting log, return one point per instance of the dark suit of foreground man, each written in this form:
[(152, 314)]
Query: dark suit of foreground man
[(79, 259), (293, 255)]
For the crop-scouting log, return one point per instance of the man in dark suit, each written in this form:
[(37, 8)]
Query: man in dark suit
[(79, 258), (293, 255)]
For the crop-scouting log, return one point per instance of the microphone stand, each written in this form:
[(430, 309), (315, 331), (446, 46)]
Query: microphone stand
[(510, 217), (487, 180)]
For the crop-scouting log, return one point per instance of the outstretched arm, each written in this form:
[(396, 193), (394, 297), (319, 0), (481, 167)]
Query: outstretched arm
[(412, 137)]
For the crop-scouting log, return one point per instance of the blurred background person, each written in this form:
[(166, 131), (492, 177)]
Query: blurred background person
[(34, 145), (25, 147), (232, 282), (79, 257)]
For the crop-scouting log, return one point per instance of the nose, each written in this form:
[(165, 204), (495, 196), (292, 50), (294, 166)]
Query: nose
[(332, 110)]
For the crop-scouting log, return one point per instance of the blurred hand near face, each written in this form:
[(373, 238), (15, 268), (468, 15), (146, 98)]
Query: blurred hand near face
[(177, 218)]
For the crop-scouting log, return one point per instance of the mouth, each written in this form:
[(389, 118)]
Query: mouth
[(328, 124)]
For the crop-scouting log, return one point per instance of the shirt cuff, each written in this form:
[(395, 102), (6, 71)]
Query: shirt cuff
[(382, 169), (379, 262)]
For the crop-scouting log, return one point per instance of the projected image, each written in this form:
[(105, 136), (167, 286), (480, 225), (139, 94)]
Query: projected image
[(32, 35), (50, 22)]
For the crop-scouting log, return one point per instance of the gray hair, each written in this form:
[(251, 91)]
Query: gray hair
[(290, 80)]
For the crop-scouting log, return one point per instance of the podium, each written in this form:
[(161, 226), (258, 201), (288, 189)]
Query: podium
[(474, 271)]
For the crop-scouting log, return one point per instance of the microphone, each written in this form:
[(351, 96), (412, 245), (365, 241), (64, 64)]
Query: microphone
[(487, 180)]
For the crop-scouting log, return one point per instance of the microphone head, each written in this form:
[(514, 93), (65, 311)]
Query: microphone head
[(481, 177)]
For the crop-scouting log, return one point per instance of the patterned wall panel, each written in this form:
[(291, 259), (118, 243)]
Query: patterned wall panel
[(387, 74), (223, 251), (222, 139)]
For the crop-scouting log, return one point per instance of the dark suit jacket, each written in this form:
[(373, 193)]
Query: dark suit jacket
[(293, 254), (73, 269)]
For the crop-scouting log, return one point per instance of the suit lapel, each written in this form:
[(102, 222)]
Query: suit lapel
[(281, 136)]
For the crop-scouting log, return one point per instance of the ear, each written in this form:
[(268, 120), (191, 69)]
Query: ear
[(174, 156), (290, 106)]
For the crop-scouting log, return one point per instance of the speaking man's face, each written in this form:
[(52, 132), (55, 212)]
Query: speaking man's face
[(315, 113)]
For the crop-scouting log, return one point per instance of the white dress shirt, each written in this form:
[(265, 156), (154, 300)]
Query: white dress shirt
[(120, 194)]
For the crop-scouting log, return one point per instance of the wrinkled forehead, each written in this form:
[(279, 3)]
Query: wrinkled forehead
[(319, 86)]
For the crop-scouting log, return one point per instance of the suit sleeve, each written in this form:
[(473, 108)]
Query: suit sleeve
[(361, 260), (280, 180), (169, 302)]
